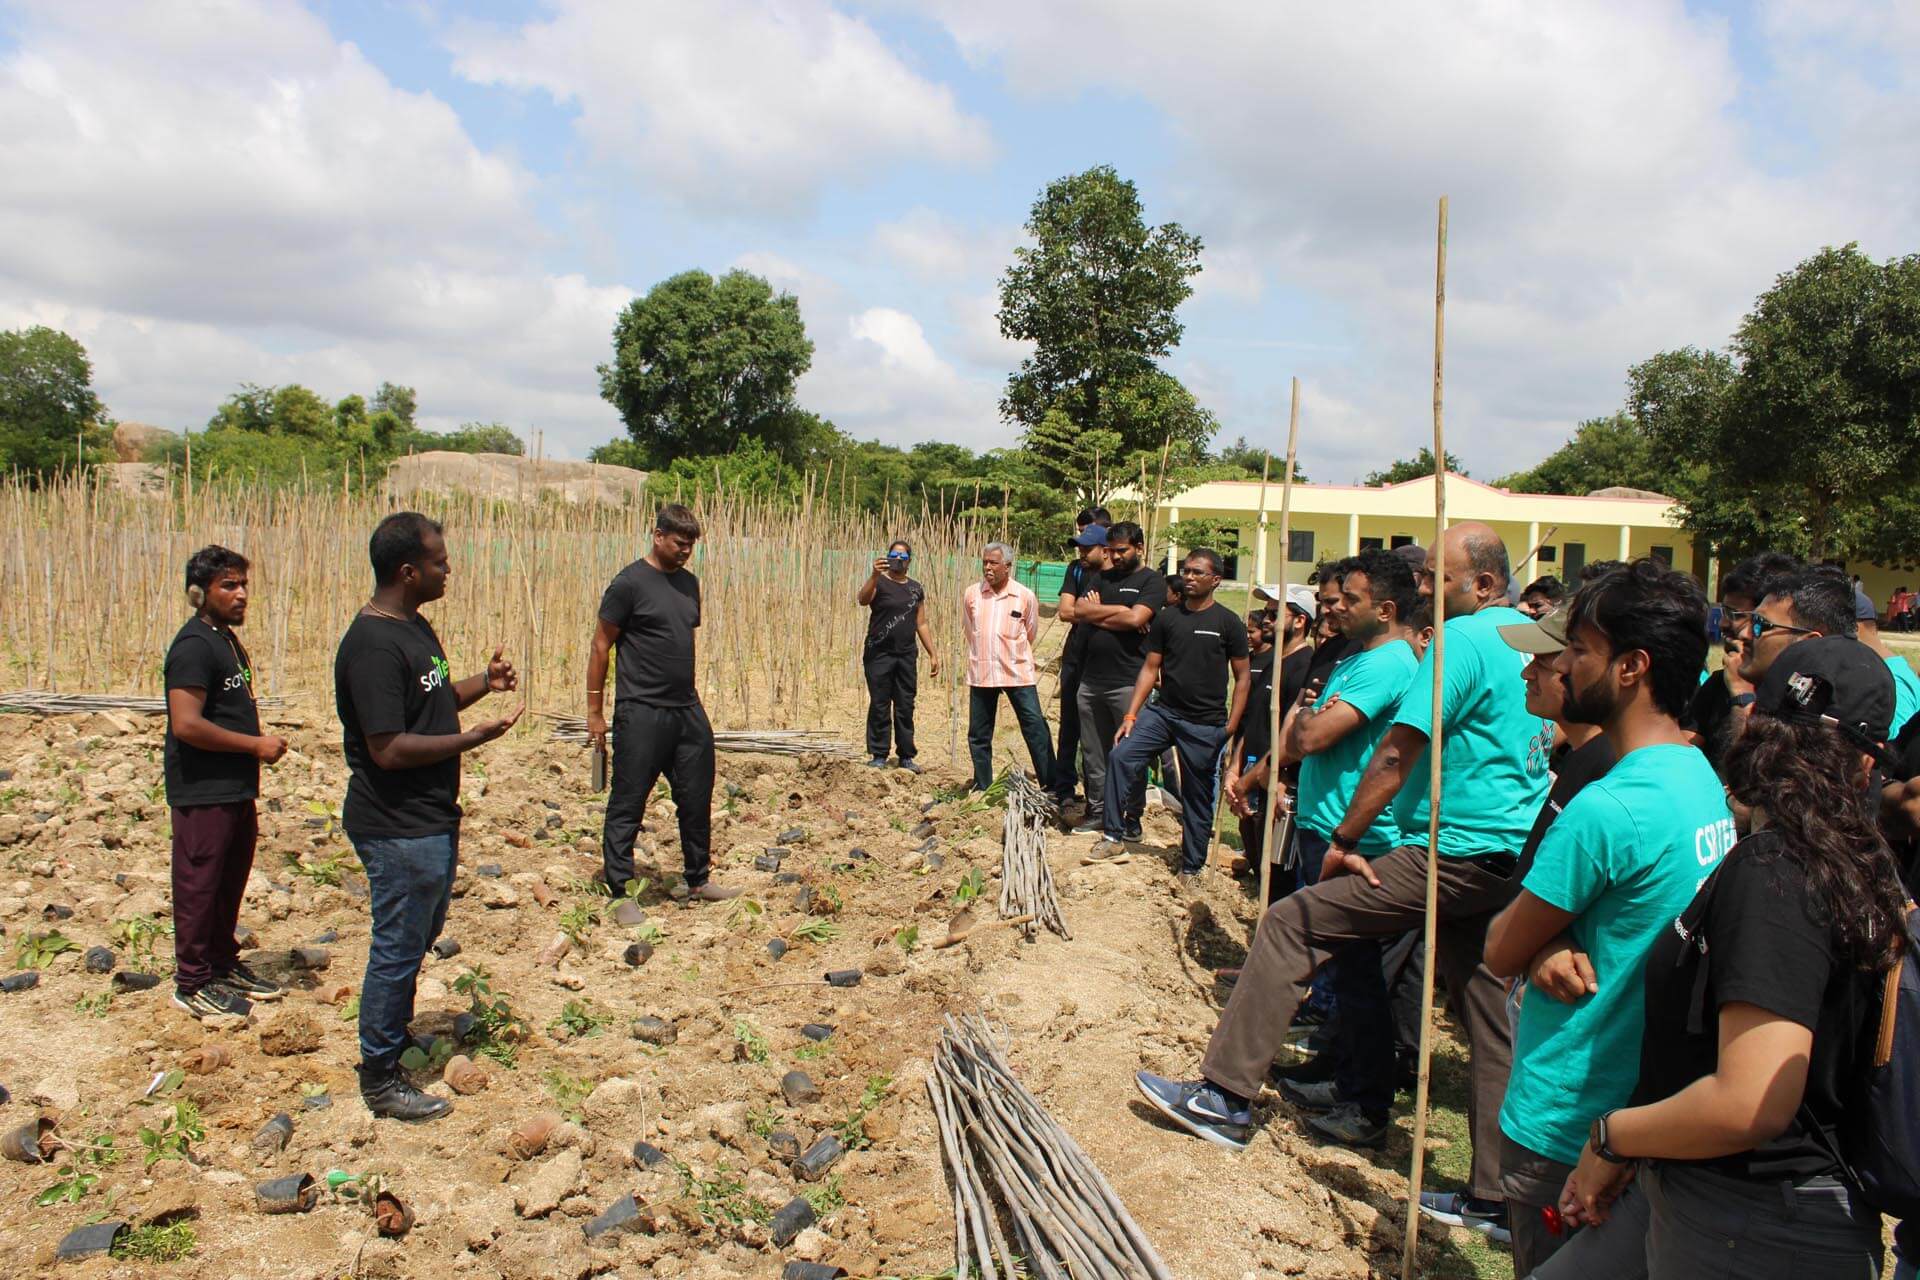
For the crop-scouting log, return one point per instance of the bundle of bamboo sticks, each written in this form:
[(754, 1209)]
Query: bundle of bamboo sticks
[(1003, 1151), (772, 742), (1026, 883), (43, 702)]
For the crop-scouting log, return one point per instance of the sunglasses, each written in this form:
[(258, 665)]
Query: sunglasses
[(1761, 626)]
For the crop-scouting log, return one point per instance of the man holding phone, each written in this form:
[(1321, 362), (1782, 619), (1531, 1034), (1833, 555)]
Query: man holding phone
[(889, 658)]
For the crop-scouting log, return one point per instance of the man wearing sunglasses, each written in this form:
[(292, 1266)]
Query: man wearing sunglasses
[(1795, 607), (1709, 716)]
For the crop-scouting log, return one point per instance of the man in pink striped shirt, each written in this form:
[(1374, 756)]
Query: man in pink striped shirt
[(1001, 618)]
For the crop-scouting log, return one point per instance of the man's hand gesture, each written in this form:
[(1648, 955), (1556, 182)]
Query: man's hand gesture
[(501, 677), (496, 728), (269, 749), (1340, 862)]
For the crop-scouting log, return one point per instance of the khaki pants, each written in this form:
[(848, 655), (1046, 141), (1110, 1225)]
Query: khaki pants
[(1302, 931)]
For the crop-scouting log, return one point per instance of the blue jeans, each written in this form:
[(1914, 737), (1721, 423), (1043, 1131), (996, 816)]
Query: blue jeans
[(1199, 747), (410, 880), (982, 702)]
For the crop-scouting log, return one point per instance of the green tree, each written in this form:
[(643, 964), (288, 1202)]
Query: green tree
[(700, 366), (619, 453), (1096, 294), (50, 420), (398, 401), (1420, 464), (1604, 453), (474, 437)]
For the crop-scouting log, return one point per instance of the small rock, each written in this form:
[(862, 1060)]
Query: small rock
[(551, 1183), (612, 1098), (311, 958), (654, 1030), (886, 961), (799, 1089), (776, 947), (499, 896), (488, 870), (648, 1156), (627, 913), (880, 1126), (637, 954), (922, 831), (816, 1031), (811, 1245), (59, 1092), (100, 960), (294, 1031), (783, 1146)]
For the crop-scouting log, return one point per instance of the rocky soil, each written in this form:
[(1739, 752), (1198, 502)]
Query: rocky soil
[(645, 1055)]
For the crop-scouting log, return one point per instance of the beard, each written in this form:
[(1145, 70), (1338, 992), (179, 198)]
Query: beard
[(1595, 704)]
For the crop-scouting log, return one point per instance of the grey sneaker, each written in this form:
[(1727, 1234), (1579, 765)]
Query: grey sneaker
[(1107, 850), (878, 762), (1349, 1126), (249, 984), (911, 766), (1199, 1107), (1312, 1095), (1091, 825), (711, 892), (1133, 830), (1488, 1217), (212, 1001)]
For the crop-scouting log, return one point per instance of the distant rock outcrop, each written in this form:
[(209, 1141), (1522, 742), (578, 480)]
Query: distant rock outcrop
[(131, 440), (505, 475)]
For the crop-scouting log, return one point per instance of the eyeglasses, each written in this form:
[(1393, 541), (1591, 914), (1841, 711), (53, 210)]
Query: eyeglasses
[(1762, 624)]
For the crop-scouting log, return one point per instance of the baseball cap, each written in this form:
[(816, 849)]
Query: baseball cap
[(1094, 535), (1546, 635), (1302, 598), (1831, 678), (1863, 610)]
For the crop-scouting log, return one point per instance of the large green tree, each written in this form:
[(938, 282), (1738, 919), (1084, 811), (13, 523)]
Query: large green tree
[(1604, 453), (50, 419), (700, 366), (1096, 293), (1807, 433), (1405, 469)]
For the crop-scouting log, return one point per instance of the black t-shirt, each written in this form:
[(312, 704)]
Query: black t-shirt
[(895, 613), (1326, 654), (391, 676), (1752, 930), (1075, 585), (1254, 737), (1112, 658), (1572, 769), (201, 657), (656, 613), (1710, 715), (1196, 650)]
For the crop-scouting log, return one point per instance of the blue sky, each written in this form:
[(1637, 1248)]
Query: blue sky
[(461, 197)]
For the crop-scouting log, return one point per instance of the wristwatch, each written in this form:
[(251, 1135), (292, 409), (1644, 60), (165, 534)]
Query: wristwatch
[(1743, 699), (1341, 842), (1597, 1139)]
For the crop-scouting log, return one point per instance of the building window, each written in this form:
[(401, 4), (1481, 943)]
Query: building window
[(1547, 554), (1402, 540), (1372, 544), (1300, 545), (1662, 554)]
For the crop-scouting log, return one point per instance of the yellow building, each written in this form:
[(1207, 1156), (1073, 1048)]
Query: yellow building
[(1544, 533)]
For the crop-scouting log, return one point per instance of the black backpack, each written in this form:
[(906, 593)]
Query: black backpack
[(1880, 1133)]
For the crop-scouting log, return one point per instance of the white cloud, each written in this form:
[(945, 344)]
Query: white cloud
[(747, 105), (1609, 196), (208, 195)]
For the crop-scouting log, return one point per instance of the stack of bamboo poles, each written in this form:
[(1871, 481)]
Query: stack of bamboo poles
[(1005, 1153), (1026, 882), (768, 742), (40, 702)]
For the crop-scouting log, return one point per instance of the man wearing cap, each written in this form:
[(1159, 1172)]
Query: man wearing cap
[(1245, 778), (1118, 607), (1615, 869), (1089, 543), (1906, 685), (999, 618), (1494, 784)]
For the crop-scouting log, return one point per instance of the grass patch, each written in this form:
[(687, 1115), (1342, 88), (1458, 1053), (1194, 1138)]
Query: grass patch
[(168, 1242)]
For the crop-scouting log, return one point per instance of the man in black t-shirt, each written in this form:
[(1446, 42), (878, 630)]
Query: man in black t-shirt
[(1089, 547), (888, 657), (1190, 649), (399, 709), (651, 610), (214, 749), (1117, 607)]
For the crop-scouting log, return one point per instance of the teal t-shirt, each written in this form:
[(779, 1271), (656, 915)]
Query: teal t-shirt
[(1371, 682), (1626, 857), (1906, 693), (1493, 752)]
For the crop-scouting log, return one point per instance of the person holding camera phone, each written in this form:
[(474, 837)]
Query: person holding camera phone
[(889, 658)]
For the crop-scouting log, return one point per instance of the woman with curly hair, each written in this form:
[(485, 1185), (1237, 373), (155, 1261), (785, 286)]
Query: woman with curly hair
[(1761, 1004)]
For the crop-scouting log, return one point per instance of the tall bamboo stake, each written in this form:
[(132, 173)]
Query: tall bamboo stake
[(1273, 700), (1260, 523), (1439, 554)]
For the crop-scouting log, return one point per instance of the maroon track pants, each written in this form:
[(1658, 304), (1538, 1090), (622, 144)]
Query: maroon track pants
[(212, 856)]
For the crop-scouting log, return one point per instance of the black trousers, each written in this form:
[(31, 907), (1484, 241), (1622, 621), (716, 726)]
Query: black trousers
[(647, 742), (892, 680), (1199, 747), (1066, 756)]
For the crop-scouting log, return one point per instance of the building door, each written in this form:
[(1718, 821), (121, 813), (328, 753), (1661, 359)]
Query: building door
[(1573, 558)]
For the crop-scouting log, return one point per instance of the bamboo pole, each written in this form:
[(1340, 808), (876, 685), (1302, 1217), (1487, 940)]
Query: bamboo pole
[(1439, 554), (1520, 570), (1260, 524), (1273, 701)]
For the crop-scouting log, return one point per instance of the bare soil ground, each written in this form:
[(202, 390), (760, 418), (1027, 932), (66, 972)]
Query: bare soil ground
[(83, 827)]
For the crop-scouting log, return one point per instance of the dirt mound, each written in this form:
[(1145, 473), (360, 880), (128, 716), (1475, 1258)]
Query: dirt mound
[(677, 1030), (131, 440), (505, 475)]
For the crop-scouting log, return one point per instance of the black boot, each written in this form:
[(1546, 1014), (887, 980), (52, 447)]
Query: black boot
[(388, 1092)]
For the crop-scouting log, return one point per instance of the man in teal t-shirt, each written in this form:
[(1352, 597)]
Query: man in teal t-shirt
[(1359, 897), (1618, 866), (1333, 740)]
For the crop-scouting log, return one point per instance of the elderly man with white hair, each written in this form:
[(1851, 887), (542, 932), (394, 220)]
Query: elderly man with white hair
[(1001, 618)]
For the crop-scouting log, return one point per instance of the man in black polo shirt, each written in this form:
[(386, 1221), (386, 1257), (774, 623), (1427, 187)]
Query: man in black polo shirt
[(1190, 649), (214, 749), (888, 658), (1117, 607), (1089, 544), (399, 709), (651, 610)]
